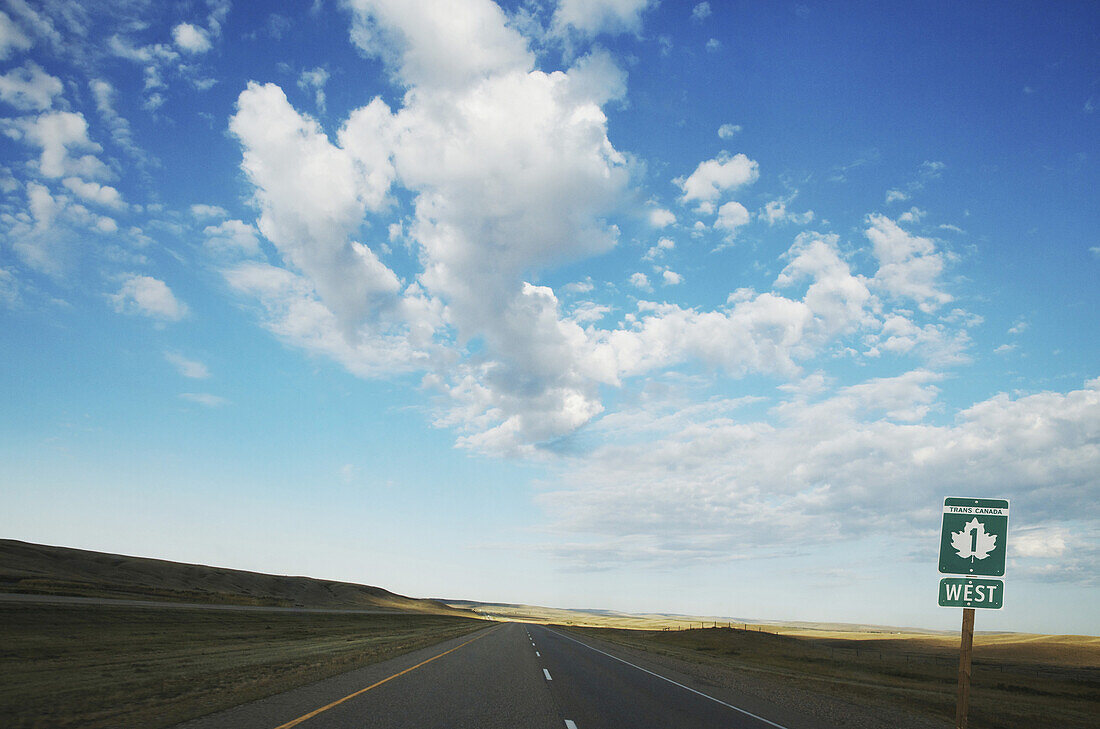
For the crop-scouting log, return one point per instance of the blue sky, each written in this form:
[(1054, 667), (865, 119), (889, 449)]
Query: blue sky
[(679, 307)]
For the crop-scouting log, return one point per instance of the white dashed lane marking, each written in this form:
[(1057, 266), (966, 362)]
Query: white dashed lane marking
[(547, 675), (570, 724)]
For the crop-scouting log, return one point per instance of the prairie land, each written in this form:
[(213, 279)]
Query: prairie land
[(1019, 681), (98, 666)]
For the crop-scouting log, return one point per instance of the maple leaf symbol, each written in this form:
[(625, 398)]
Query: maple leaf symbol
[(973, 541)]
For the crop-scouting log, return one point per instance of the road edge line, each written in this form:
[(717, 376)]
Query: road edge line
[(664, 678), (315, 712)]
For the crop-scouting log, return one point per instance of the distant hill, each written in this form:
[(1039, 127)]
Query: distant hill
[(45, 570)]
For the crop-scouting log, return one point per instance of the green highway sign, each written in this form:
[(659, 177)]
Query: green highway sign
[(972, 592), (973, 537)]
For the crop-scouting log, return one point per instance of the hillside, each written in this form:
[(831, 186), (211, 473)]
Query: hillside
[(47, 570)]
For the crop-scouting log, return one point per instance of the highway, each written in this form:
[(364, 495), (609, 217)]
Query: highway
[(509, 676)]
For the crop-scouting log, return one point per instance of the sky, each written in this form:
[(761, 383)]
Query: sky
[(695, 308)]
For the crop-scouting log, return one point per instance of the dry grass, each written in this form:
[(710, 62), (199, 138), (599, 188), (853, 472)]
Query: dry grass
[(1019, 682), (96, 666), (46, 570)]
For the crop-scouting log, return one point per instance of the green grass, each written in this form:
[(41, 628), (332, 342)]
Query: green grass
[(95, 666), (1010, 689)]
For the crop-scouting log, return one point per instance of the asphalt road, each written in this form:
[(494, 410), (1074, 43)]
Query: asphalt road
[(509, 676)]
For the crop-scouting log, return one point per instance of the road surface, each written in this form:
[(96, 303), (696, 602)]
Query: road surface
[(510, 676)]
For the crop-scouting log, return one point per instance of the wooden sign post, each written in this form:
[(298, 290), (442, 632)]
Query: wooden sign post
[(966, 649)]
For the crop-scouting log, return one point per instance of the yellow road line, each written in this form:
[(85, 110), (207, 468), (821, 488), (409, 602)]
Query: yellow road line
[(315, 712)]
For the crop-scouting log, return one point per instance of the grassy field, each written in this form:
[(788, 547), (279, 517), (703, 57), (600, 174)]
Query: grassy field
[(1019, 682), (96, 666)]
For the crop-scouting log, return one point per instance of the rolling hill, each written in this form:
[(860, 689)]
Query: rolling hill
[(46, 570)]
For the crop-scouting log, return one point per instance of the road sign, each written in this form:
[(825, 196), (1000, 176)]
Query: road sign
[(974, 536), (972, 592)]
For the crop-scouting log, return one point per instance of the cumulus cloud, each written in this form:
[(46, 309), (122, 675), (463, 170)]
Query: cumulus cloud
[(591, 17), (731, 216), (205, 399), (664, 245), (716, 176), (861, 461), (232, 237), (149, 297), (313, 195), (49, 232), (12, 38), (191, 39), (775, 212), (909, 265), (314, 80), (119, 127), (661, 218), (29, 88), (187, 367), (728, 130), (431, 46), (701, 11), (202, 210), (510, 172), (94, 192), (61, 135)]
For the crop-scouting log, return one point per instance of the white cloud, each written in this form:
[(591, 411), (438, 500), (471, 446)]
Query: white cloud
[(425, 43), (59, 134), (713, 45), (909, 265), (1019, 327), (120, 128), (293, 312), (12, 38), (187, 367), (1039, 542), (701, 11), (191, 39), (591, 17), (232, 237), (1005, 348), (148, 296), (511, 165), (315, 79), (664, 245), (52, 231), (94, 192), (775, 212), (728, 130), (9, 288), (202, 210), (731, 216), (579, 287), (661, 218), (313, 195), (938, 345), (205, 399), (912, 215), (861, 461), (896, 196), (29, 88), (716, 176)]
